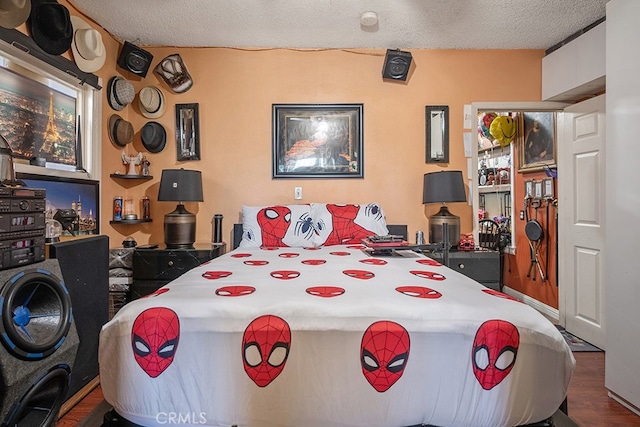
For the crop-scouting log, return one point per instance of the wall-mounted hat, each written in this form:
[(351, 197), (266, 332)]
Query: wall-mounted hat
[(120, 93), (50, 26), (154, 137), (87, 46), (120, 130), (151, 102), (173, 71), (14, 13)]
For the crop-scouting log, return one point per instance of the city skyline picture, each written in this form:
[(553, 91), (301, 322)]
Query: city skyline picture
[(37, 120)]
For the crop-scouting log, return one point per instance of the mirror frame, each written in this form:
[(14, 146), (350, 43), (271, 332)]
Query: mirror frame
[(187, 132), (432, 128)]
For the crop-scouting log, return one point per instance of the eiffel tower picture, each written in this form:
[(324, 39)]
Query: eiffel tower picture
[(51, 135)]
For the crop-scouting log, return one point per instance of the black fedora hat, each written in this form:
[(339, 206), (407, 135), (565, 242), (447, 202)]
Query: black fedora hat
[(154, 137), (50, 26)]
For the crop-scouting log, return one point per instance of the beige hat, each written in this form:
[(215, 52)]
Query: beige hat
[(120, 130), (87, 46), (14, 13), (151, 102)]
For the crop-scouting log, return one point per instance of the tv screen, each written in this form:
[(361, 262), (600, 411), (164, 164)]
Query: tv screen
[(83, 196)]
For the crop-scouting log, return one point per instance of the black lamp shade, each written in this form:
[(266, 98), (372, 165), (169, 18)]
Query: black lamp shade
[(180, 185), (443, 187)]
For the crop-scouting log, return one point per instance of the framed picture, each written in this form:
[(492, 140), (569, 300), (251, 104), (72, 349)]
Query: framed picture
[(537, 145), (317, 141), (537, 190), (548, 188), (187, 132), (528, 189)]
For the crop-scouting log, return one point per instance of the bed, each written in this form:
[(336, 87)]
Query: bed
[(280, 332)]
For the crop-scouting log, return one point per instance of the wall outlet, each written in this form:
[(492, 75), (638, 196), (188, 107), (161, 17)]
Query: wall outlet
[(297, 193), (522, 215)]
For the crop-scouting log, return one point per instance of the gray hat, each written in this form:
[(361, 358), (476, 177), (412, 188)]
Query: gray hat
[(120, 93), (154, 137), (14, 13)]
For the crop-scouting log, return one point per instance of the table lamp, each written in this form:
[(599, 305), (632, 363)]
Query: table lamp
[(180, 185), (443, 187)]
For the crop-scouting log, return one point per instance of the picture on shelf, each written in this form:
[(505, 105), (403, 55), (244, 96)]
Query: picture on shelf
[(69, 193)]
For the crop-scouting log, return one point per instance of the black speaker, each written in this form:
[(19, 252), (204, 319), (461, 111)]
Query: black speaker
[(84, 263), (396, 65), (39, 344), (134, 59)]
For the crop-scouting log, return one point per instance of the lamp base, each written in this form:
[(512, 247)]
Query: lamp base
[(435, 226), (179, 229)]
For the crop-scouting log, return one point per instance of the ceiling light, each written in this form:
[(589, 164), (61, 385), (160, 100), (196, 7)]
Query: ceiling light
[(369, 19)]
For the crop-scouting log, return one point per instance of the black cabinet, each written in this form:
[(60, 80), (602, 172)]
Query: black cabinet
[(482, 266), (154, 268)]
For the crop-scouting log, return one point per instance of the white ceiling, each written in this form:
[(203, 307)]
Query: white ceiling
[(402, 24)]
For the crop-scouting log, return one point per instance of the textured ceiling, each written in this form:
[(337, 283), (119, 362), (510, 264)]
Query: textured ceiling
[(403, 24)]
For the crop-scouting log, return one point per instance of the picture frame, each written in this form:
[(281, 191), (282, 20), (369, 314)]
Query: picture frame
[(317, 141), (548, 192), (537, 190), (528, 189), (537, 145), (187, 132)]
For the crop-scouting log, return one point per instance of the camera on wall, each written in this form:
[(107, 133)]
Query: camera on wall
[(134, 59)]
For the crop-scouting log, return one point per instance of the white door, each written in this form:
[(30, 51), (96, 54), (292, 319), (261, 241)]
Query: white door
[(581, 167)]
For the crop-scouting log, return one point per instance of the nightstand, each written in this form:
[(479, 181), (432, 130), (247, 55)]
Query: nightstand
[(155, 267), (481, 265)]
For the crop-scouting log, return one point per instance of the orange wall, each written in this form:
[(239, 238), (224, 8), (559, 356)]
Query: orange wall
[(235, 90)]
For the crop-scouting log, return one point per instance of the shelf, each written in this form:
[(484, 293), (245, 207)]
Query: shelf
[(122, 176), (501, 188), (130, 221)]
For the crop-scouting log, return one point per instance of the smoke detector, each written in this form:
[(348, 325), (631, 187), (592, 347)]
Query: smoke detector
[(369, 19)]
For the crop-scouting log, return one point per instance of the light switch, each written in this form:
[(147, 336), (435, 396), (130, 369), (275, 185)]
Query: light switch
[(297, 193)]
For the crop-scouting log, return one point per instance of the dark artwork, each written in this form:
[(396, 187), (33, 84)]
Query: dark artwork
[(36, 120)]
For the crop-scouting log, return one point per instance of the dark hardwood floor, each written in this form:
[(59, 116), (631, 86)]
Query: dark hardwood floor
[(588, 402)]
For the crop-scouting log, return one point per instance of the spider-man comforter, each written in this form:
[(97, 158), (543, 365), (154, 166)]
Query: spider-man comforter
[(331, 337)]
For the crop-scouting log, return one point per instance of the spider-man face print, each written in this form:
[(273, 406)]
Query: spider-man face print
[(288, 255), (428, 275), (157, 292), (265, 347), (214, 275), (241, 255), (274, 222), (419, 292), (429, 261), (499, 294), (384, 353), (154, 338), (340, 253), (314, 261), (495, 348), (256, 262), (235, 291), (359, 274), (285, 274), (325, 291), (345, 230), (373, 261)]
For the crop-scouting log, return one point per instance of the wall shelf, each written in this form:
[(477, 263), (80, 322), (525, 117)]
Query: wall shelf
[(122, 176), (499, 188), (130, 221)]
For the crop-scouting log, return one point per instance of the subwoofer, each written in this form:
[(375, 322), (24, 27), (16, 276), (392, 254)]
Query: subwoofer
[(39, 344), (134, 59), (396, 65), (84, 263)]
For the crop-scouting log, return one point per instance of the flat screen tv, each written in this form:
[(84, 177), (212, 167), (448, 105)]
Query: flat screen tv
[(81, 195)]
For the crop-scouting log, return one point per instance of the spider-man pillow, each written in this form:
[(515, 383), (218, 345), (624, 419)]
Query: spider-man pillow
[(277, 226), (336, 224)]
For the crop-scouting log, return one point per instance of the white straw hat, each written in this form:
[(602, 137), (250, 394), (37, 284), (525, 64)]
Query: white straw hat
[(151, 102), (87, 46)]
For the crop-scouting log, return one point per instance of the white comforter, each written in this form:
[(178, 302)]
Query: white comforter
[(331, 337)]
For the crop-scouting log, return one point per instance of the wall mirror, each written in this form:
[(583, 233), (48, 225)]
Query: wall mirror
[(437, 119), (187, 132)]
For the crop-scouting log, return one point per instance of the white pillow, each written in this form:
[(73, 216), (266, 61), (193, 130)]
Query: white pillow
[(337, 224), (277, 226)]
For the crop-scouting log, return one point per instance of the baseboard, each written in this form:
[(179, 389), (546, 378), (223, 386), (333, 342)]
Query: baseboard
[(623, 402), (78, 396), (551, 313)]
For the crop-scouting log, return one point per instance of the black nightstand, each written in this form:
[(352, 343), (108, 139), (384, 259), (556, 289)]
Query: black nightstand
[(154, 268), (482, 266)]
